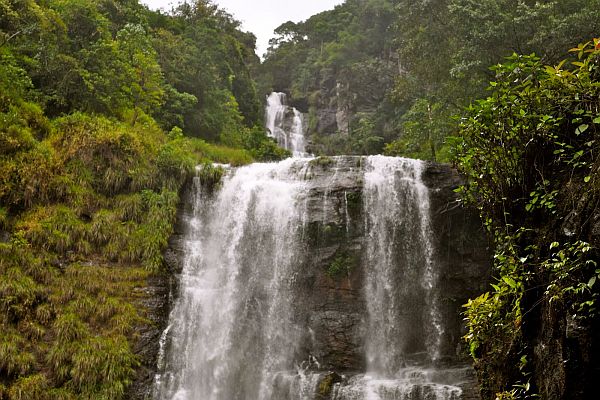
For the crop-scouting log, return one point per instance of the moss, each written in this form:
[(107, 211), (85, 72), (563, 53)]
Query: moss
[(354, 200), (322, 162), (342, 265), (326, 385)]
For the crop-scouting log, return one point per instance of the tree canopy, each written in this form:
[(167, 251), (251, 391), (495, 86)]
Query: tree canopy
[(407, 66)]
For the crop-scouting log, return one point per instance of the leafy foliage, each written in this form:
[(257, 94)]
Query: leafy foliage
[(342, 265), (393, 72), (90, 178), (530, 151)]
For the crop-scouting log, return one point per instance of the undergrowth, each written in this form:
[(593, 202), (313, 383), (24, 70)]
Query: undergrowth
[(530, 151), (87, 206)]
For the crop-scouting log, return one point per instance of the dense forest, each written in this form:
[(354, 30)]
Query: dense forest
[(106, 108), (388, 75)]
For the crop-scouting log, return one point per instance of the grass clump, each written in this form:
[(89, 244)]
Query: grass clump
[(323, 162), (219, 153), (88, 204), (33, 387), (210, 175)]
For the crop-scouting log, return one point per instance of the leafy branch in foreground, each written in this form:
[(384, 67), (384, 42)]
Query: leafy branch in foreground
[(531, 154)]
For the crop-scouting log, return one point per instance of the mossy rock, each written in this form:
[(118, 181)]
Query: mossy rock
[(325, 387), (342, 265), (325, 234), (353, 200), (322, 162), (210, 175)]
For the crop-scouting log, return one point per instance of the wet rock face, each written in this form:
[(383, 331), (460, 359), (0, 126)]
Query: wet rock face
[(463, 250), (326, 121), (330, 299), (565, 353), (333, 276), (157, 300)]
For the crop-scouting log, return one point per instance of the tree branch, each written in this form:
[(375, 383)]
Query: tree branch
[(8, 39)]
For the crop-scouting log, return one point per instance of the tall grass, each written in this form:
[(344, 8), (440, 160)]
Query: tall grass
[(208, 152), (89, 204)]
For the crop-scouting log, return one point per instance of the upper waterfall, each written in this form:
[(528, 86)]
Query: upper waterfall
[(285, 124), (314, 279)]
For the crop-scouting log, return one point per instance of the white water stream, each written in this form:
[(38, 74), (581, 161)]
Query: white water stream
[(231, 329), (285, 124)]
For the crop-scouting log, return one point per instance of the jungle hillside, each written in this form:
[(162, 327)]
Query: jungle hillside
[(107, 108)]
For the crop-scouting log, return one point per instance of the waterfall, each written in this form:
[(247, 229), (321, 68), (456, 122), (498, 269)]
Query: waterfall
[(285, 124), (232, 329), (399, 253), (404, 325), (249, 290)]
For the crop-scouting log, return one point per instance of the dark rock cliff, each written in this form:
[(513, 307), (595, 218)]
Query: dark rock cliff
[(564, 347), (157, 300), (331, 277)]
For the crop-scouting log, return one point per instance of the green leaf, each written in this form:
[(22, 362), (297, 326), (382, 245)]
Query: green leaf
[(510, 281), (587, 179), (592, 281), (596, 120), (581, 128)]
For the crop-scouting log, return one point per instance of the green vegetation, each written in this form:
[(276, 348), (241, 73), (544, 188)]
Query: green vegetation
[(530, 151), (208, 152), (107, 107), (105, 110), (89, 209), (322, 161), (397, 70), (342, 265), (326, 386)]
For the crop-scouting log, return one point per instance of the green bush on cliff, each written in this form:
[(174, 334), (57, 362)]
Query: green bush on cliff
[(342, 265), (530, 151), (89, 209)]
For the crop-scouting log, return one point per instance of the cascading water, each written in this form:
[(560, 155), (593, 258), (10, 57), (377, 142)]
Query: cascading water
[(404, 326), (240, 329), (232, 329), (285, 124)]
